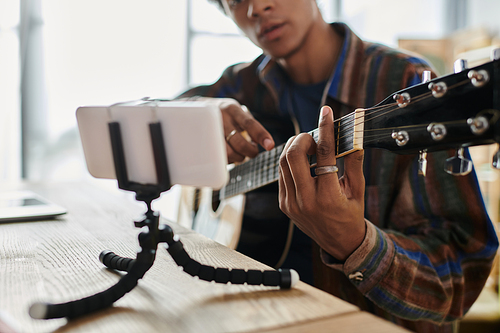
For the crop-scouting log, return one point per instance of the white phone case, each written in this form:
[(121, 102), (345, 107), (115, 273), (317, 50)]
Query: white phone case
[(192, 133)]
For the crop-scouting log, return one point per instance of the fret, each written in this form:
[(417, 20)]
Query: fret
[(239, 178), (315, 134), (344, 134), (254, 171), (263, 164), (272, 159), (258, 160), (231, 187), (265, 167), (276, 162), (246, 177)]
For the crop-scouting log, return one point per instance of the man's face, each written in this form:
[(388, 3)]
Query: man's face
[(278, 27)]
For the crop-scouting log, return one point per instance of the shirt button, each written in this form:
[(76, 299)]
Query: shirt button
[(358, 276)]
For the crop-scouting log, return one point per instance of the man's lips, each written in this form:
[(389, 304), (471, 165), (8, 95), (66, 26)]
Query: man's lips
[(271, 31)]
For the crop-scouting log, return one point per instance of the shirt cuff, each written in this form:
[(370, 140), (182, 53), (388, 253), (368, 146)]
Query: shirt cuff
[(369, 263)]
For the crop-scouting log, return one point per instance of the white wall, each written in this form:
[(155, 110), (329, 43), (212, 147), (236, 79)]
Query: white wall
[(385, 21), (484, 13)]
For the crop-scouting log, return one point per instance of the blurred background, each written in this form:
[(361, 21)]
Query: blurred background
[(57, 55)]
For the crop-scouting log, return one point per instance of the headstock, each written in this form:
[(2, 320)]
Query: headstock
[(452, 111)]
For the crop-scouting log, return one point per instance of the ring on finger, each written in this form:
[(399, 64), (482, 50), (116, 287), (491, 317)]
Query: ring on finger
[(230, 135), (323, 170)]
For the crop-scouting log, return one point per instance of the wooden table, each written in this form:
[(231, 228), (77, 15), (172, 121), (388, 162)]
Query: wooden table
[(57, 261)]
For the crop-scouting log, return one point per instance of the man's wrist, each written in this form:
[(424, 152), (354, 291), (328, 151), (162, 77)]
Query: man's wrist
[(348, 242)]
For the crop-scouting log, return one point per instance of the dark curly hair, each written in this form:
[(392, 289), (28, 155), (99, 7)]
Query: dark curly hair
[(218, 2)]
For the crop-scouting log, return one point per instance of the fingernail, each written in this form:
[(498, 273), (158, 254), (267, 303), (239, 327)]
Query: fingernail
[(324, 112), (267, 144)]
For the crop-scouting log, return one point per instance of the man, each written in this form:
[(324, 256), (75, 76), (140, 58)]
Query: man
[(415, 250)]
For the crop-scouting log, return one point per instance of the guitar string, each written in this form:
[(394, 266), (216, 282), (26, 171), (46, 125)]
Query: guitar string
[(349, 131), (409, 128), (374, 110), (389, 106), (377, 111), (237, 184)]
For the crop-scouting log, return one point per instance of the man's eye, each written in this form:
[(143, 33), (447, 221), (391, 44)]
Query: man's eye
[(234, 3)]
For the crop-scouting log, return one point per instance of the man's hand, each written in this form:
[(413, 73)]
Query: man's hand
[(238, 122), (329, 210)]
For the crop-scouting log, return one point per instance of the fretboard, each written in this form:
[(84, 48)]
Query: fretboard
[(263, 169)]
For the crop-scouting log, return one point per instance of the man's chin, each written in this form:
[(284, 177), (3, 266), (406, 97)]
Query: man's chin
[(281, 53)]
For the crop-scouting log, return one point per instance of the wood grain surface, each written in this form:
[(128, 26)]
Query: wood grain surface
[(57, 261)]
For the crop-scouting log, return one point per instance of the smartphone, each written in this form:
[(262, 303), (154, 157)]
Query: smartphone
[(192, 134), (27, 206)]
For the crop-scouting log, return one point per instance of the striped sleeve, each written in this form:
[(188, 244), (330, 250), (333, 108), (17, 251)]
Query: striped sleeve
[(430, 257), (429, 242)]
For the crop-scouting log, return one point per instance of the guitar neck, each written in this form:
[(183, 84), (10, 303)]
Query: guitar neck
[(453, 111), (264, 168)]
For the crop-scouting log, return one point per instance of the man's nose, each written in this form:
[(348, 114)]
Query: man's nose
[(257, 8)]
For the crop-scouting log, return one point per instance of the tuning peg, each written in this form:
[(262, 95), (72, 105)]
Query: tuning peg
[(426, 76), (495, 54), (402, 99), (458, 165), (478, 125), (496, 160), (460, 65), (478, 78), (422, 163), (438, 89)]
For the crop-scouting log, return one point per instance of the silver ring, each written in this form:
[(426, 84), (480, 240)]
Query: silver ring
[(230, 135), (326, 169)]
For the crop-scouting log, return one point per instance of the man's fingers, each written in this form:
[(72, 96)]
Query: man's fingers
[(353, 173), (286, 184), (232, 132), (296, 156), (241, 145), (232, 156), (244, 120), (325, 153)]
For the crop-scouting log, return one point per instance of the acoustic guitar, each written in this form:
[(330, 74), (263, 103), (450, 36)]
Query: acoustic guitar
[(453, 111)]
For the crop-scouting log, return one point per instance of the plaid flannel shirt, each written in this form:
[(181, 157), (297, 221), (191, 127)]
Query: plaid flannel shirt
[(429, 244)]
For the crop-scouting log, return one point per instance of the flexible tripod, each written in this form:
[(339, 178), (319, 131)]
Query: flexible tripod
[(149, 240)]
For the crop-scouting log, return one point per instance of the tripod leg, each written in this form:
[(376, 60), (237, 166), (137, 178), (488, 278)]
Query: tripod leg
[(85, 305), (100, 300), (114, 261), (284, 278)]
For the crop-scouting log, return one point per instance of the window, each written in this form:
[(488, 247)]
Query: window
[(10, 121), (93, 53), (214, 43), (385, 21)]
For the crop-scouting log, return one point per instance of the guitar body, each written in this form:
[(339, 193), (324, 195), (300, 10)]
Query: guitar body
[(267, 241), (223, 224)]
